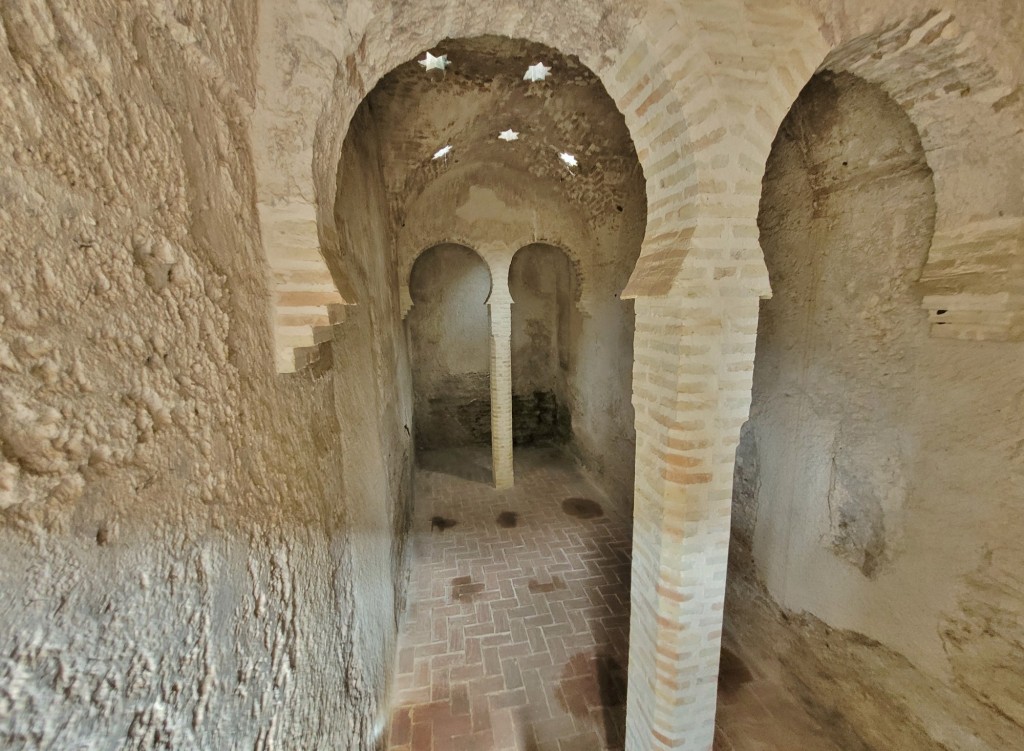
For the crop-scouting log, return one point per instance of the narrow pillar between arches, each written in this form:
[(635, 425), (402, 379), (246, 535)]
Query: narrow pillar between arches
[(501, 393)]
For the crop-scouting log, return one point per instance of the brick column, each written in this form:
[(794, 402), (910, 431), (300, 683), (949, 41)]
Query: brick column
[(500, 304), (693, 363)]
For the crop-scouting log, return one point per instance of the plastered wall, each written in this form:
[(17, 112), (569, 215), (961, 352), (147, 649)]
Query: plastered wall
[(880, 470), (184, 533), (372, 382)]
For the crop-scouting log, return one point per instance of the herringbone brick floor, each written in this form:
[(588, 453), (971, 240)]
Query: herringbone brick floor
[(516, 633)]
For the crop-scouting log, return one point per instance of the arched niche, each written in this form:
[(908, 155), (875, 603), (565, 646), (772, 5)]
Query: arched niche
[(448, 332), (847, 216), (848, 469), (543, 286)]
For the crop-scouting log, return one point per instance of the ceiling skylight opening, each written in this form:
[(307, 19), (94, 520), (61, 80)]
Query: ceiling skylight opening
[(509, 135), (537, 72), (435, 63), (569, 160), (442, 153)]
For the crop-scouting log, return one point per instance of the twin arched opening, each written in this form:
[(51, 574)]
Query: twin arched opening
[(563, 367)]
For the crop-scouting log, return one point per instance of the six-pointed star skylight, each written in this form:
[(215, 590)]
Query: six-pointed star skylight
[(537, 72), (508, 135), (434, 63)]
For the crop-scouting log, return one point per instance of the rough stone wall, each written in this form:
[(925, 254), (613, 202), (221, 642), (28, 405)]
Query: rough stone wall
[(878, 471), (180, 562), (448, 337)]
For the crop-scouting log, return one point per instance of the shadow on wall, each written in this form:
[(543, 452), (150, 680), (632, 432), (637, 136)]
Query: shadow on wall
[(469, 463)]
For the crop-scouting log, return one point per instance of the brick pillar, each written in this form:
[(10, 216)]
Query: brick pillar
[(691, 391), (500, 304)]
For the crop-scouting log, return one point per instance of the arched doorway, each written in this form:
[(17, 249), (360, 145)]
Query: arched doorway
[(836, 511), (450, 168)]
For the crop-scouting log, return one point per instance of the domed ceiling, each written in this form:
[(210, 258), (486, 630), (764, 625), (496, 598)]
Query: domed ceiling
[(459, 111)]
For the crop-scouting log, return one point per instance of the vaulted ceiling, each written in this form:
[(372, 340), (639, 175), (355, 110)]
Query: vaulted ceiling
[(482, 93)]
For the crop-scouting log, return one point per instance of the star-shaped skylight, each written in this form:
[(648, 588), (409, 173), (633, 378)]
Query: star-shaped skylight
[(568, 159), (442, 152), (508, 135), (434, 63), (537, 72)]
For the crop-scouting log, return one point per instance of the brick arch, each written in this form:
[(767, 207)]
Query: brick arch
[(641, 67), (650, 60), (965, 116), (405, 274), (574, 262), (658, 74), (763, 59)]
